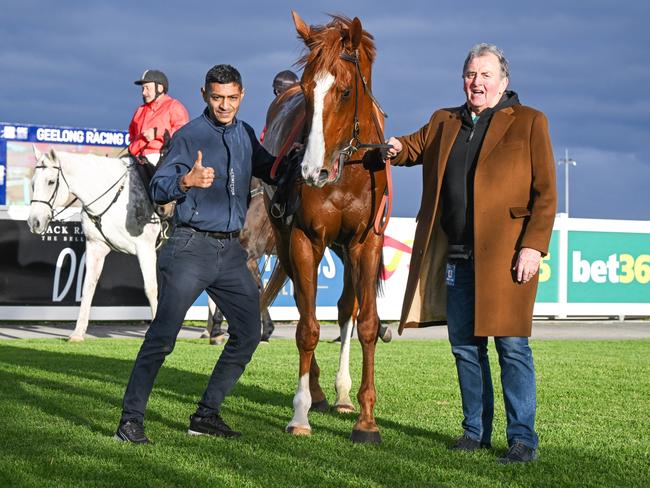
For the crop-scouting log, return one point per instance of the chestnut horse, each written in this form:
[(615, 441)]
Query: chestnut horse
[(339, 194)]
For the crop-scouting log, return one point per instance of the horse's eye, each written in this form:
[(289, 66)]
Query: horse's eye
[(346, 93), (50, 182)]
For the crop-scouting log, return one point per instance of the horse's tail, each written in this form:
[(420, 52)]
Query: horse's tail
[(381, 270), (273, 286)]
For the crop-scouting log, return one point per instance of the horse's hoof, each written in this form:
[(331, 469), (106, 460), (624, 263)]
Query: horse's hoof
[(75, 338), (220, 340), (365, 437), (344, 408), (387, 335), (297, 430), (204, 335), (321, 406)]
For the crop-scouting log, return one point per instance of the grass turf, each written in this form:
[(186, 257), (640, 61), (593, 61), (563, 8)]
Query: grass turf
[(60, 404)]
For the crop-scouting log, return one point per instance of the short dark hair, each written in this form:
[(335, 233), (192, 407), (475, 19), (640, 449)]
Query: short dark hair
[(223, 74)]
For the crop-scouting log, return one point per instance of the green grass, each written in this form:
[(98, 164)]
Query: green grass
[(60, 404)]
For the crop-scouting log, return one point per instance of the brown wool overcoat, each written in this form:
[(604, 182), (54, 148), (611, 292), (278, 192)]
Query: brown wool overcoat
[(514, 207)]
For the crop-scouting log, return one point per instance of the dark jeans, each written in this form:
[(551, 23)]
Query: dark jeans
[(473, 366), (189, 263)]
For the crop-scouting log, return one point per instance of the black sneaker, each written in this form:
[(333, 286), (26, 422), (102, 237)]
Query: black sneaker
[(212, 425), (465, 443), (519, 453), (131, 431)]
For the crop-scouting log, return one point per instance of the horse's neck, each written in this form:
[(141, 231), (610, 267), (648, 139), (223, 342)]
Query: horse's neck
[(89, 177)]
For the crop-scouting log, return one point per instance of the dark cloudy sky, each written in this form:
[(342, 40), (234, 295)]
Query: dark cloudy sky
[(583, 62)]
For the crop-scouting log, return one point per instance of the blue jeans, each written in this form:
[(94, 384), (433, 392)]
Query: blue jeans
[(189, 263), (473, 366)]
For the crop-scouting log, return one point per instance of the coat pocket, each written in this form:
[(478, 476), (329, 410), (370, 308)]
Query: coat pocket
[(519, 212)]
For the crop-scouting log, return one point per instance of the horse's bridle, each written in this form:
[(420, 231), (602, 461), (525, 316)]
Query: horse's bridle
[(355, 144), (50, 202), (386, 204), (95, 218)]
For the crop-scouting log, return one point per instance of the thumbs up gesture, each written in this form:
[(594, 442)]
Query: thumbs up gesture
[(199, 176)]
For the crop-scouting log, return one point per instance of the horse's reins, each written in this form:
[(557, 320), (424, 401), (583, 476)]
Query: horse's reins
[(386, 204), (96, 219)]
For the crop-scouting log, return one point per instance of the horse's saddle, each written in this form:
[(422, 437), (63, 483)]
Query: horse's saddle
[(286, 200)]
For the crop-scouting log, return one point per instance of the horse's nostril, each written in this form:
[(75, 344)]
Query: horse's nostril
[(323, 175)]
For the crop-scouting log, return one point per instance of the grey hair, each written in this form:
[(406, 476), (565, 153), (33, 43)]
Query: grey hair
[(483, 49)]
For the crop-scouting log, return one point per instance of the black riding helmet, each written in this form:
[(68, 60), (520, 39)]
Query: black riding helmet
[(155, 76), (283, 80)]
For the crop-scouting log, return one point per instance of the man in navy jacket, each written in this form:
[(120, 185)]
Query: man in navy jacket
[(207, 172)]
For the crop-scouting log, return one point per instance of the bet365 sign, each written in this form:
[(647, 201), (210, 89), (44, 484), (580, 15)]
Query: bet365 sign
[(609, 267)]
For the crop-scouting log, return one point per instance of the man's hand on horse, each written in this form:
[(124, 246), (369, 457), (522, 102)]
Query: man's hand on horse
[(397, 147), (199, 176)]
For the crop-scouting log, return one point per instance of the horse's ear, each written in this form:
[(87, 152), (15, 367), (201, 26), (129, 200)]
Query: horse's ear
[(37, 154), (356, 32), (53, 157), (303, 29)]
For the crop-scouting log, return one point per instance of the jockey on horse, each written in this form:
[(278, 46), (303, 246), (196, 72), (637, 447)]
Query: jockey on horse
[(152, 125)]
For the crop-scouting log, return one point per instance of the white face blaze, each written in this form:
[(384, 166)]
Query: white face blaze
[(315, 153)]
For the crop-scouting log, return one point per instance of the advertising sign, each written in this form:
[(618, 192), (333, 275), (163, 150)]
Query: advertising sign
[(398, 241), (611, 267), (48, 269), (17, 154), (549, 272)]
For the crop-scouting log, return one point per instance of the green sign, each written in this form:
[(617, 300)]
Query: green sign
[(608, 267), (549, 272)]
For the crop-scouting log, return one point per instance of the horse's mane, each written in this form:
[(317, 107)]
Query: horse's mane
[(325, 47)]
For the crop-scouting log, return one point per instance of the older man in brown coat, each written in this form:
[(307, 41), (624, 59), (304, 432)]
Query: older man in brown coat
[(485, 221)]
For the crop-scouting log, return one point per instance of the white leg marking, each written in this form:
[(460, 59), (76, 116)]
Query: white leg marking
[(95, 254), (315, 152), (343, 382), (301, 404)]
